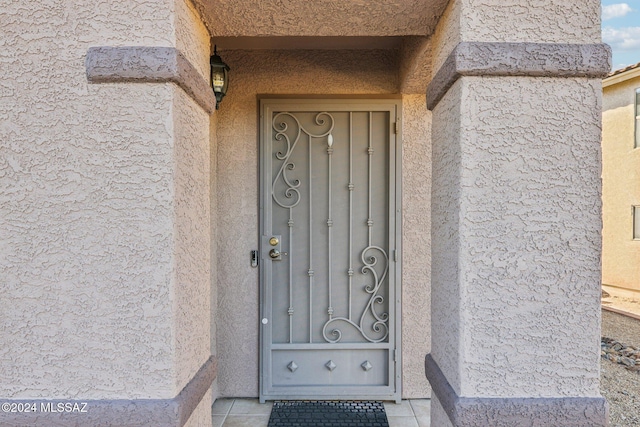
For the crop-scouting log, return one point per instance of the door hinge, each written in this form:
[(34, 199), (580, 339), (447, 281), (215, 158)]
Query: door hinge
[(395, 255), (395, 128), (395, 355)]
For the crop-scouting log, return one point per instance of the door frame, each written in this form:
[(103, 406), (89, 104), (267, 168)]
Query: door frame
[(373, 103)]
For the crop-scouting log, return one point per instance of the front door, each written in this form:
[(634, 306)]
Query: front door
[(330, 231)]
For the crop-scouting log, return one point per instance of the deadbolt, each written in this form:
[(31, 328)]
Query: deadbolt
[(274, 245)]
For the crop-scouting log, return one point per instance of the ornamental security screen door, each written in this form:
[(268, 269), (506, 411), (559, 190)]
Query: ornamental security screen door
[(330, 231)]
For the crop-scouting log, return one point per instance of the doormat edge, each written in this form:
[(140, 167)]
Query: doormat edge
[(328, 413)]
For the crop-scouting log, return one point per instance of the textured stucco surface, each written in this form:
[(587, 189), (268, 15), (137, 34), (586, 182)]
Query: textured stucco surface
[(544, 21), (439, 416), (416, 242), (620, 189), (526, 155), (445, 231), (415, 64), (192, 255), (515, 411), (191, 36), (302, 72), (202, 414), (447, 34), (213, 244), (191, 306), (86, 255), (325, 18), (96, 199), (173, 412), (148, 64), (519, 59)]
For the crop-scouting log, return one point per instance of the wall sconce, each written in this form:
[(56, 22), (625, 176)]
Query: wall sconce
[(219, 76)]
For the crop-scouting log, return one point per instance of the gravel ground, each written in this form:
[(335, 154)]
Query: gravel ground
[(620, 386)]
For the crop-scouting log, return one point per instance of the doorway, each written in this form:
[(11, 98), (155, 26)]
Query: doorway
[(330, 219)]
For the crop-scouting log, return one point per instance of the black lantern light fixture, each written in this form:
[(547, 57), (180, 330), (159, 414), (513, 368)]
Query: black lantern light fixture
[(219, 76)]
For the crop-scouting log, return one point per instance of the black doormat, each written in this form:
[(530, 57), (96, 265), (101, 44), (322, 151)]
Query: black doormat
[(314, 413)]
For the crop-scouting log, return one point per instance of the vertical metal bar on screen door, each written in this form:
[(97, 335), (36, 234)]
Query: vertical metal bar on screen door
[(350, 271), (290, 310), (329, 222), (310, 243), (370, 151)]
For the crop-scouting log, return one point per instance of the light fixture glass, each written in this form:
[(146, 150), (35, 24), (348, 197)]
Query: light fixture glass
[(219, 76)]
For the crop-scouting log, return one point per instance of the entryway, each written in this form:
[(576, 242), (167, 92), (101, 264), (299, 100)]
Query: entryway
[(251, 413), (330, 230)]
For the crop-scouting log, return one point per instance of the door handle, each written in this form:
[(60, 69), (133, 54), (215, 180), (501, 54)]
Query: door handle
[(273, 245), (276, 255)]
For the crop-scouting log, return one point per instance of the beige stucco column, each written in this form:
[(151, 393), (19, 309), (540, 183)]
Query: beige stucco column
[(516, 101), (104, 214)]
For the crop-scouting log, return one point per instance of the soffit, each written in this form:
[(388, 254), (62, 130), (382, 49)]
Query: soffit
[(622, 75), (334, 18), (307, 43)]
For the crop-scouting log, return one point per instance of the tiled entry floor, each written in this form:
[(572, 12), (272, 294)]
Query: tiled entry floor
[(251, 413)]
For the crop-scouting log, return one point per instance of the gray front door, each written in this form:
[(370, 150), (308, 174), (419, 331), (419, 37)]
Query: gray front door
[(330, 228)]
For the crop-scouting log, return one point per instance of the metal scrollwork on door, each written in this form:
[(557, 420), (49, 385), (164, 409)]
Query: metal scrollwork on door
[(291, 190), (380, 320), (281, 127), (372, 324)]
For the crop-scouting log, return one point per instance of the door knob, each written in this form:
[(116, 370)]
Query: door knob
[(274, 253)]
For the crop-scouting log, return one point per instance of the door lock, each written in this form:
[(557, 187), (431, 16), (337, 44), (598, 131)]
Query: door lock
[(273, 245)]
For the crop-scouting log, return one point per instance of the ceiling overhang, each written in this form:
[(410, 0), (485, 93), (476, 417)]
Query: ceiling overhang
[(307, 43), (320, 18), (402, 25)]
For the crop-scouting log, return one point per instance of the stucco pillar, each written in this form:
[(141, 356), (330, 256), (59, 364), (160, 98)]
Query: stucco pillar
[(105, 214), (516, 101)]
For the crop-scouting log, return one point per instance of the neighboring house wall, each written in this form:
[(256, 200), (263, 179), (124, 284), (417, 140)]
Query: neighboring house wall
[(299, 73), (621, 181), (104, 208)]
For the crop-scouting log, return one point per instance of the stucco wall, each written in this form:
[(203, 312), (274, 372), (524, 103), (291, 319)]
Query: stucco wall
[(516, 212), (620, 191), (191, 36), (325, 18), (191, 305), (192, 286), (213, 244), (546, 253), (93, 247), (528, 237), (201, 416), (416, 242), (438, 415), (445, 239), (305, 72), (447, 34), (545, 21)]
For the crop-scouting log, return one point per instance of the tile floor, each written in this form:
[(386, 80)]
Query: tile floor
[(251, 413)]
